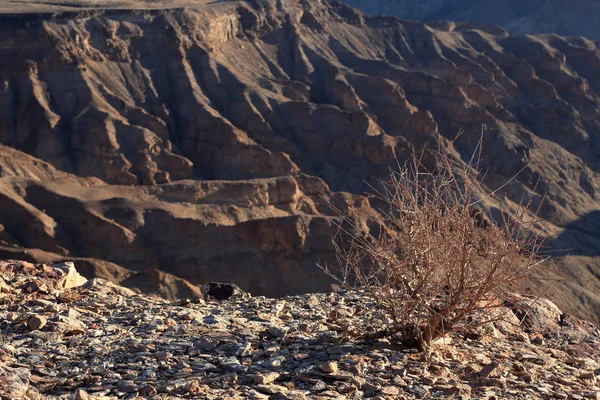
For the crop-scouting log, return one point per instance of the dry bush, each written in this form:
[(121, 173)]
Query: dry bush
[(437, 266)]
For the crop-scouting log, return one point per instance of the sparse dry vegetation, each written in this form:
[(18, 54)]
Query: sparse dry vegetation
[(437, 266)]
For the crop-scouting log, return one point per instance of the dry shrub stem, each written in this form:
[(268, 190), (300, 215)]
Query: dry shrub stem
[(436, 266)]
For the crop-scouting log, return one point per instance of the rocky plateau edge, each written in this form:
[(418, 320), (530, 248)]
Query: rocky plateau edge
[(67, 338)]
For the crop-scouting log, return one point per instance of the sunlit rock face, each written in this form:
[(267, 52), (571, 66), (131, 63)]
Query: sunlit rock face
[(210, 140)]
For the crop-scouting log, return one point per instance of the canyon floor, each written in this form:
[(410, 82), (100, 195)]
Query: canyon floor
[(67, 338)]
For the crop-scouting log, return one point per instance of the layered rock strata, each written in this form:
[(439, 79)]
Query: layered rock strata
[(206, 141)]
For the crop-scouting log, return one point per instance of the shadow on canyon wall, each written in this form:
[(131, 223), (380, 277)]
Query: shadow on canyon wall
[(580, 237)]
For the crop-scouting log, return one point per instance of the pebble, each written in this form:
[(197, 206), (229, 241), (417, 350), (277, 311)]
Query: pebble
[(330, 367), (312, 301), (193, 387), (271, 389), (587, 376), (488, 370), (265, 379), (390, 390), (81, 395), (537, 339), (277, 331), (148, 391)]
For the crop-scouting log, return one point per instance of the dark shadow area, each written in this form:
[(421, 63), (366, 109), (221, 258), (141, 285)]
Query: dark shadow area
[(581, 237)]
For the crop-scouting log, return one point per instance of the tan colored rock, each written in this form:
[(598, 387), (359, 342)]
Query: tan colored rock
[(81, 395), (194, 387), (107, 288), (330, 367), (71, 277), (4, 288), (271, 389), (497, 382), (490, 370), (442, 341), (148, 391), (313, 301), (68, 326), (390, 390), (266, 378), (37, 322)]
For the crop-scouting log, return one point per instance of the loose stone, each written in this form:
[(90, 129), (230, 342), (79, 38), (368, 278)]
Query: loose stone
[(330, 367), (37, 322)]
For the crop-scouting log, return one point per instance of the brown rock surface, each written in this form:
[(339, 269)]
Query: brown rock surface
[(36, 322), (254, 233), (105, 342), (188, 141)]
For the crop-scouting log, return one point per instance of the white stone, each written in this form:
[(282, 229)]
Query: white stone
[(71, 279)]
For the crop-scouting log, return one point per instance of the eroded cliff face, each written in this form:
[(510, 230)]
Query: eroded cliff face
[(267, 234), (561, 17), (206, 141)]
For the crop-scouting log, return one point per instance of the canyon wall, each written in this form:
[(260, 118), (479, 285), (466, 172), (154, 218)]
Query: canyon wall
[(208, 142), (561, 17)]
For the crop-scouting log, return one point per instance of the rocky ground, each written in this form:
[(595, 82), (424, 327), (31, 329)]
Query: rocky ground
[(102, 341)]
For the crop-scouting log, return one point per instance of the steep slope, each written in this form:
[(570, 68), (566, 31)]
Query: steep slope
[(204, 141), (561, 17)]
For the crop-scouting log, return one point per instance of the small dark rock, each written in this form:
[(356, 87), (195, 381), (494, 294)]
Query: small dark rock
[(221, 291)]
